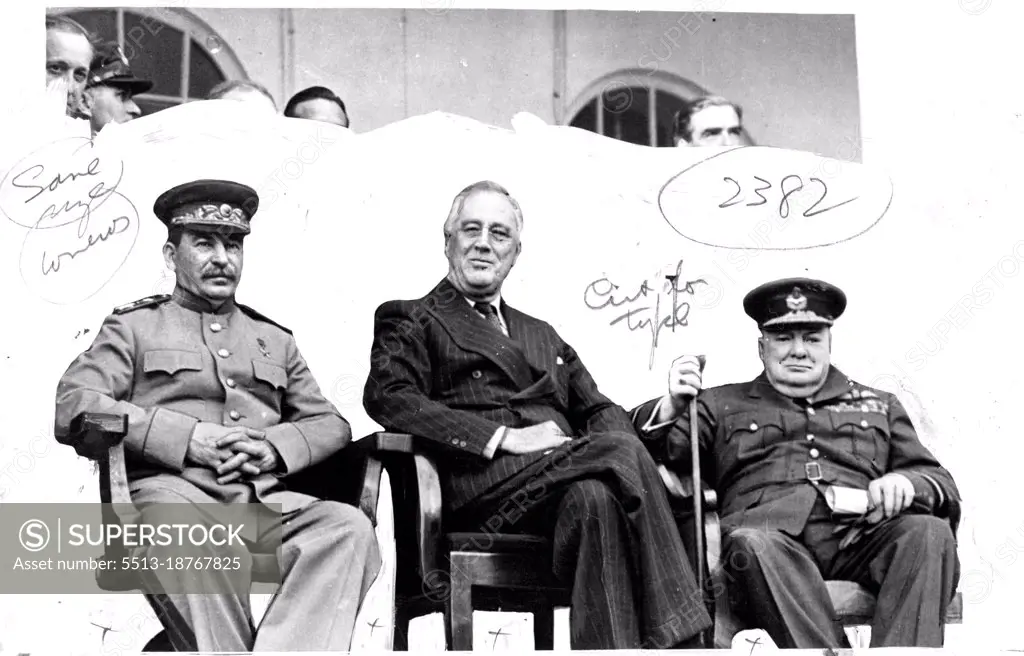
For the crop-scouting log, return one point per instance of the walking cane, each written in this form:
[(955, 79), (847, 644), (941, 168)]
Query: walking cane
[(698, 491)]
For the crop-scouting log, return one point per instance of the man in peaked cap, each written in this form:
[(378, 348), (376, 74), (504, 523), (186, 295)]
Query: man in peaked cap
[(785, 452), (111, 88), (220, 404)]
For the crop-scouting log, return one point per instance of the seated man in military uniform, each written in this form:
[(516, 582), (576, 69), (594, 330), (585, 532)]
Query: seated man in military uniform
[(784, 451), (220, 404)]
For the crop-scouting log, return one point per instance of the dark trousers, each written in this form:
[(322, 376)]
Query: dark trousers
[(603, 504), (777, 581)]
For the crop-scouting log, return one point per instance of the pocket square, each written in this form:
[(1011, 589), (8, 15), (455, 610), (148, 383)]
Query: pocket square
[(559, 360)]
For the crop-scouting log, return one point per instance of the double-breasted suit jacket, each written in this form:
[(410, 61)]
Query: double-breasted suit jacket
[(441, 372)]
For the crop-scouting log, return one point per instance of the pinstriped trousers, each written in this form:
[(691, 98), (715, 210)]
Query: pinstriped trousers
[(602, 502)]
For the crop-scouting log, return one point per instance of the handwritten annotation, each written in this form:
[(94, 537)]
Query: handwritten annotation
[(642, 307), (80, 228), (799, 199)]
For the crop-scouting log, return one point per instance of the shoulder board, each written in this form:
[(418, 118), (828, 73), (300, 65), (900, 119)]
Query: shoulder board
[(256, 315), (149, 301)]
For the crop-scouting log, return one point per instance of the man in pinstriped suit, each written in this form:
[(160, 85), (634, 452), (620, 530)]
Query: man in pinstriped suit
[(526, 442)]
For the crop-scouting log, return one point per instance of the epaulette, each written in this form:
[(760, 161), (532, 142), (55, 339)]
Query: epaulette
[(149, 301), (256, 315)]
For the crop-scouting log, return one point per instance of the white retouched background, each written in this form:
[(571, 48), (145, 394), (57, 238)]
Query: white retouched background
[(941, 110)]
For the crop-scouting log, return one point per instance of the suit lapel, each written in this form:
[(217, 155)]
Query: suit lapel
[(472, 333)]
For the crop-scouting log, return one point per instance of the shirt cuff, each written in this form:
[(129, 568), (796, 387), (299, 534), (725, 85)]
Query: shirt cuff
[(492, 445), (648, 427)]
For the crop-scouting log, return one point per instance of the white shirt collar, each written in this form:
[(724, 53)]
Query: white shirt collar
[(496, 302)]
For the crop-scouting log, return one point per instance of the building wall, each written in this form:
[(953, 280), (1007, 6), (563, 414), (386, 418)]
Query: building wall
[(798, 86), (794, 75)]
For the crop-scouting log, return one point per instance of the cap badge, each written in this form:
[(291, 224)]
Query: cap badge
[(796, 301)]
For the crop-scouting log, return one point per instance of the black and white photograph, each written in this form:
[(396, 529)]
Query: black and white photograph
[(684, 326)]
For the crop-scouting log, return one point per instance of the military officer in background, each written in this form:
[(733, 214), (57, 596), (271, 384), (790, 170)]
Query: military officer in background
[(220, 405), (111, 88), (785, 452)]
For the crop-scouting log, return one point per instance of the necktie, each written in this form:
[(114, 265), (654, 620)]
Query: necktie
[(491, 314)]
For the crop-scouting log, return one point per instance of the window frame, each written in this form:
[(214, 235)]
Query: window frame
[(651, 80), (192, 28)]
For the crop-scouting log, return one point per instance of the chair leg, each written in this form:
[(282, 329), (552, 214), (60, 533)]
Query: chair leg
[(459, 612), (544, 628), (400, 641)]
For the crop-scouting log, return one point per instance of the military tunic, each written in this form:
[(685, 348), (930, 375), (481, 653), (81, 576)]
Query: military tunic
[(771, 457), (170, 362)]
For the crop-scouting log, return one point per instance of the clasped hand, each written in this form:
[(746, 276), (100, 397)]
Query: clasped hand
[(231, 451)]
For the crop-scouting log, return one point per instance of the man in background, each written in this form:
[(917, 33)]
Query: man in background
[(318, 104), (245, 91), (111, 88), (69, 54), (709, 121)]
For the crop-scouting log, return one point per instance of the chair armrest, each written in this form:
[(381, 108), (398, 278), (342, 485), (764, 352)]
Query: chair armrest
[(94, 433), (384, 442), (417, 502)]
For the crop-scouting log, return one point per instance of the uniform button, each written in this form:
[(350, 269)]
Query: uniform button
[(810, 437), (753, 427), (230, 382), (223, 353), (462, 443), (216, 327), (234, 415), (810, 411), (863, 423), (814, 453), (477, 374)]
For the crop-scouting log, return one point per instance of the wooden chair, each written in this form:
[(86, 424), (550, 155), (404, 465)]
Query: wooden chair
[(451, 572), (454, 573), (99, 437)]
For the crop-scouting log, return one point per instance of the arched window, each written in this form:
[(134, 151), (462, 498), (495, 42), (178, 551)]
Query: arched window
[(182, 55), (634, 105)]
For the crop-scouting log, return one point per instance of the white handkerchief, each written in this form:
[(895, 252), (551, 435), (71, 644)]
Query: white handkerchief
[(558, 360), (847, 500)]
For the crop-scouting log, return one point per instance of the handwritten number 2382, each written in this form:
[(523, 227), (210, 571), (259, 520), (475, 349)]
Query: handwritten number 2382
[(786, 193)]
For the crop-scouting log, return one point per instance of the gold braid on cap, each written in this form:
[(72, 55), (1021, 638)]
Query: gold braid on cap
[(209, 213)]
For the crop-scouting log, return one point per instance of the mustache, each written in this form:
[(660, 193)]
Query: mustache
[(219, 273)]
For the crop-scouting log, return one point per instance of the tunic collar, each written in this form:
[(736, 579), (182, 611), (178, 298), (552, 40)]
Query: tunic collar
[(190, 301)]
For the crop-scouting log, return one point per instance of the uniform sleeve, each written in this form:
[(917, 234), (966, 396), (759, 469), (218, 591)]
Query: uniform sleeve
[(934, 488), (311, 428), (670, 441), (398, 390), (100, 380)]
